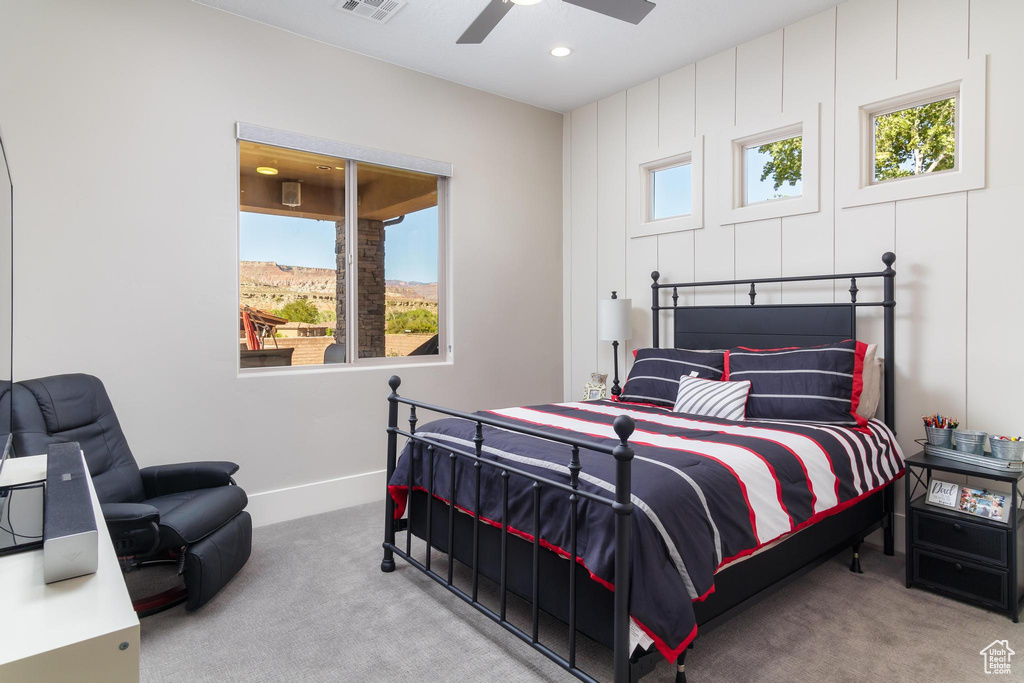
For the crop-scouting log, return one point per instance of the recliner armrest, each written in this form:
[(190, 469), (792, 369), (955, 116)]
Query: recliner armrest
[(133, 527), (161, 480)]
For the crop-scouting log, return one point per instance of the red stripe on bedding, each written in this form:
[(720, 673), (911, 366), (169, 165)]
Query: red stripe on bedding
[(583, 426), (752, 431)]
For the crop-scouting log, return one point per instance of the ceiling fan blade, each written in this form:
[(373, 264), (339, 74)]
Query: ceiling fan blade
[(632, 11), (485, 23)]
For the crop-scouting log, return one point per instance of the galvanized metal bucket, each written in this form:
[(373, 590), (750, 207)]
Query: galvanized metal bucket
[(1005, 449), (939, 436), (970, 441)]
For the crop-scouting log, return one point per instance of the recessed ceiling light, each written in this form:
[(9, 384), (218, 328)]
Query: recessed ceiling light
[(339, 168), (266, 170), (560, 52), (324, 168), (525, 2)]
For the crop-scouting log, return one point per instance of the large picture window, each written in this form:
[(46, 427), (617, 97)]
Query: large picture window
[(340, 260)]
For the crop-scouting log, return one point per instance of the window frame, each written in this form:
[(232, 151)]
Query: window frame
[(353, 155), (690, 152), (733, 143), (855, 137)]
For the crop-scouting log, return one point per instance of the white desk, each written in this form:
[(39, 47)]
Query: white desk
[(71, 630)]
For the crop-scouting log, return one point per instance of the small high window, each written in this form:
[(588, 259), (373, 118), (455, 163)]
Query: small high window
[(915, 140), (670, 191), (773, 170)]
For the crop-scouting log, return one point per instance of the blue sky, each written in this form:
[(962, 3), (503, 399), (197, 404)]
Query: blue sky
[(672, 192), (410, 247)]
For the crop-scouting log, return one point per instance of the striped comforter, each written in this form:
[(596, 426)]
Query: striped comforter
[(706, 492)]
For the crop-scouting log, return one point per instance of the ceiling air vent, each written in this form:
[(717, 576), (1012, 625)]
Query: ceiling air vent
[(378, 11)]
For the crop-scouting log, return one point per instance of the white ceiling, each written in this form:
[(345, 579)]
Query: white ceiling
[(608, 55)]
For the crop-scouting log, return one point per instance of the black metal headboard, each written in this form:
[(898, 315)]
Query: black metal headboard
[(778, 325)]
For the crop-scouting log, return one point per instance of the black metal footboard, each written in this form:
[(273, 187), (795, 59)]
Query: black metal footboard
[(621, 504)]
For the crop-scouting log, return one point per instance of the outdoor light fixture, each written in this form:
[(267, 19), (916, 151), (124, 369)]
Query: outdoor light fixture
[(561, 52), (266, 170), (291, 194)]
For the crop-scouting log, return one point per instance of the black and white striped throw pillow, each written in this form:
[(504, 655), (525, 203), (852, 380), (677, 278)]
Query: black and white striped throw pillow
[(712, 398), (654, 377), (804, 384)]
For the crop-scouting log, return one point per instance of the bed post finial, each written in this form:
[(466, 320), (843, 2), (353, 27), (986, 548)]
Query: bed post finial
[(394, 382), (655, 275), (624, 427), (888, 258)]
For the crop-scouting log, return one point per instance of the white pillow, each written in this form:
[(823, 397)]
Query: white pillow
[(871, 393), (712, 398)]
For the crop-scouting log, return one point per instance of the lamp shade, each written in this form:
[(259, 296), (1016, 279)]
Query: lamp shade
[(613, 323)]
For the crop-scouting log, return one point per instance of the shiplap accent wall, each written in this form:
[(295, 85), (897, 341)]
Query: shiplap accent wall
[(959, 311)]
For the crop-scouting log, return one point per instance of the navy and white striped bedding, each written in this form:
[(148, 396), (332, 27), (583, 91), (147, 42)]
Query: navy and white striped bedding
[(802, 384), (654, 377), (706, 491)]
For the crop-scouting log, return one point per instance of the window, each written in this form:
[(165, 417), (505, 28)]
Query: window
[(669, 188), (915, 140), (773, 170), (770, 166), (670, 191), (328, 275), (919, 136)]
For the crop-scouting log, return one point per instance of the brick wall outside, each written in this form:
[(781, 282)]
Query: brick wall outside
[(308, 350), (370, 255)]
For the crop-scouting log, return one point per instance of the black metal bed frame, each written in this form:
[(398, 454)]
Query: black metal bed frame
[(695, 327)]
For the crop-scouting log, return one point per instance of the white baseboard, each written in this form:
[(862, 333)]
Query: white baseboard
[(269, 507)]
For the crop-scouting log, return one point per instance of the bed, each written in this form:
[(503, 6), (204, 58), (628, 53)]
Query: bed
[(634, 525)]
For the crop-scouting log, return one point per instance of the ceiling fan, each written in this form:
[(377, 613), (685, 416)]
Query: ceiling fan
[(632, 11)]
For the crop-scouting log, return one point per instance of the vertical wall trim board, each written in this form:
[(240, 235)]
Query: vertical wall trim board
[(897, 76)]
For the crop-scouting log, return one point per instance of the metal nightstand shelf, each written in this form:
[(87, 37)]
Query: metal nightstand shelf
[(956, 554)]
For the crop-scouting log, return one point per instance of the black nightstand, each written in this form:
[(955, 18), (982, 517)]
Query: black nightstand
[(957, 554)]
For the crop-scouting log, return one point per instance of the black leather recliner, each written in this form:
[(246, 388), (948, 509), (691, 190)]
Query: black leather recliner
[(189, 512)]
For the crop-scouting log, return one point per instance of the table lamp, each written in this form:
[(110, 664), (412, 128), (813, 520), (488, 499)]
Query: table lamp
[(613, 325)]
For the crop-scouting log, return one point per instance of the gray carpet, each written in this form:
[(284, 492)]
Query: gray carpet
[(312, 605)]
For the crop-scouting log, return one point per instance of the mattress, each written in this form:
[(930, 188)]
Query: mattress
[(706, 492)]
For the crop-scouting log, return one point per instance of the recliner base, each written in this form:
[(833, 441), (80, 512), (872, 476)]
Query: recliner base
[(213, 561)]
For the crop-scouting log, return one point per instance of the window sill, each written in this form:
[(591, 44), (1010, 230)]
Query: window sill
[(366, 365), (664, 226)]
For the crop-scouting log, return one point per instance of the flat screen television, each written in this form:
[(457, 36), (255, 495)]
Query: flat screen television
[(21, 519)]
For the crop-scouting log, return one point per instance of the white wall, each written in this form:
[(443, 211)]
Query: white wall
[(119, 120), (958, 255)]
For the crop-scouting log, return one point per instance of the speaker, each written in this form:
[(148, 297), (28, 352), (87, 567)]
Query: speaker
[(70, 540)]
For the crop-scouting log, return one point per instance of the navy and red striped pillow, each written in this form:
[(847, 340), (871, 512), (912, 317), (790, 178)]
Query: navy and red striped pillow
[(654, 377), (803, 384)]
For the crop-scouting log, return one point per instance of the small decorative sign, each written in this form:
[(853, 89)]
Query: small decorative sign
[(982, 503), (943, 494)]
